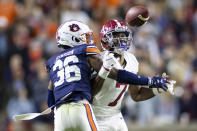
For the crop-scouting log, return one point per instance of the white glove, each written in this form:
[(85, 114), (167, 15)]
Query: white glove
[(171, 87), (109, 60), (108, 63)]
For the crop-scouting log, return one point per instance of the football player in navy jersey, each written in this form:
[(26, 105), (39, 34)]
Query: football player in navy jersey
[(70, 74)]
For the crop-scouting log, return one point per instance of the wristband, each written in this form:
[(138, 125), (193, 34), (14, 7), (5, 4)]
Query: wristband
[(104, 72)]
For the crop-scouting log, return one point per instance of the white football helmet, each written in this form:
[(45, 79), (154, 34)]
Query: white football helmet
[(115, 44), (73, 33)]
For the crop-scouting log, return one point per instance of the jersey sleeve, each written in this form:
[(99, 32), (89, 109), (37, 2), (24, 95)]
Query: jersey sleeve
[(92, 50)]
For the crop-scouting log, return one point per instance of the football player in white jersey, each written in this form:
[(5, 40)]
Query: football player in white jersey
[(116, 38)]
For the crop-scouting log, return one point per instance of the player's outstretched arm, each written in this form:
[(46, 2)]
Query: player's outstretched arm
[(123, 76), (139, 93)]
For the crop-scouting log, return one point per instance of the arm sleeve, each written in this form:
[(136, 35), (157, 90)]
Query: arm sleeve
[(50, 98), (131, 78)]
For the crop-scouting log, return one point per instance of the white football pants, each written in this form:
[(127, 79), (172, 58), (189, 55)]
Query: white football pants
[(113, 123), (75, 116)]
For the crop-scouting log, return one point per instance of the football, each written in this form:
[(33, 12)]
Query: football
[(137, 15)]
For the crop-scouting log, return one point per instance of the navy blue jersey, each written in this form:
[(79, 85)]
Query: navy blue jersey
[(70, 73)]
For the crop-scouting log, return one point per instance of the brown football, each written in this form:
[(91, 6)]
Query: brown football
[(137, 15)]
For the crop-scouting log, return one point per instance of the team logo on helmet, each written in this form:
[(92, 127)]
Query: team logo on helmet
[(74, 27)]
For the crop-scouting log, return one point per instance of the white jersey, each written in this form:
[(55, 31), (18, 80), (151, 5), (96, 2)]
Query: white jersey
[(107, 101)]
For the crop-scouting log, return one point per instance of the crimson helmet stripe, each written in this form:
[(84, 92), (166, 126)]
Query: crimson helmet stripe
[(118, 23)]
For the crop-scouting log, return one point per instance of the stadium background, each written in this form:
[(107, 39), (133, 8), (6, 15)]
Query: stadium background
[(167, 43)]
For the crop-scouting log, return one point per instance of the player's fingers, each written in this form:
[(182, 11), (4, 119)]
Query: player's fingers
[(165, 75), (171, 87), (173, 81), (165, 87), (169, 82)]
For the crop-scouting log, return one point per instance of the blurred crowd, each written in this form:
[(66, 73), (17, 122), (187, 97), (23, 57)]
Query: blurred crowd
[(166, 43)]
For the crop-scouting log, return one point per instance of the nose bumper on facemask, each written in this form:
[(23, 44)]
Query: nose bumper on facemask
[(121, 47)]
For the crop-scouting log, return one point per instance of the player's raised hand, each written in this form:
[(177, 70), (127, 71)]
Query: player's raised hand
[(109, 60), (108, 63), (170, 86)]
